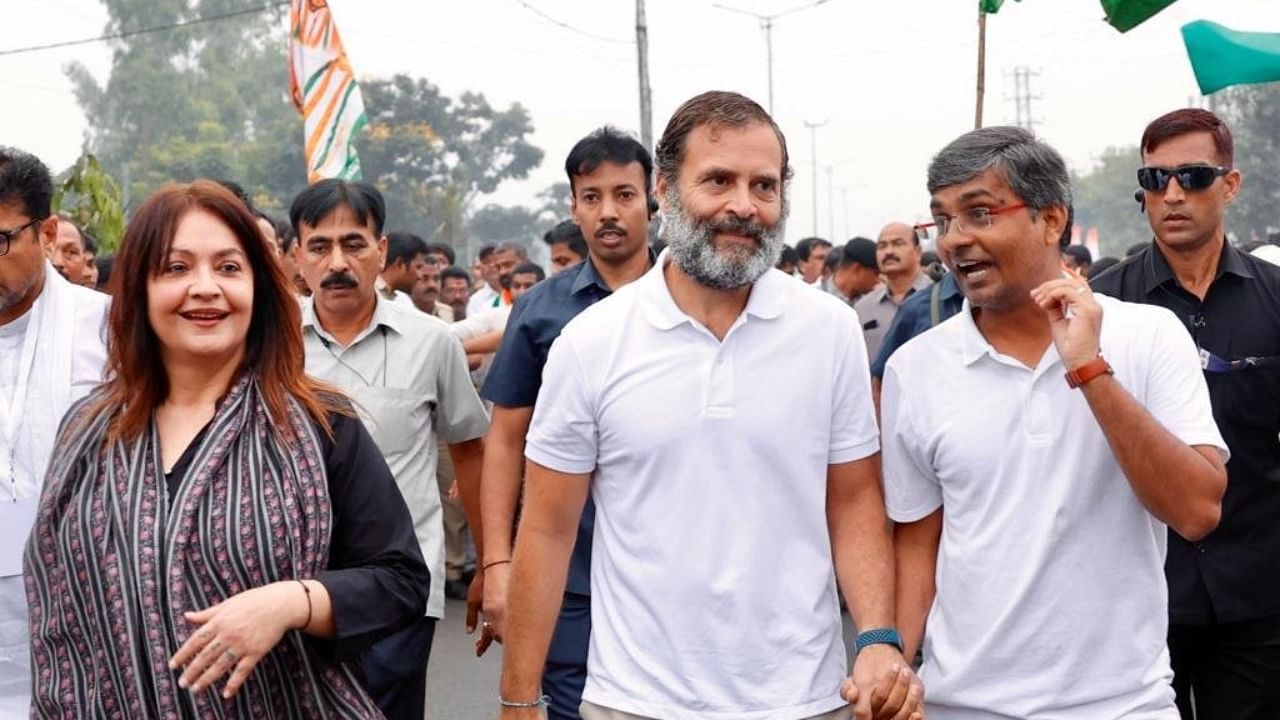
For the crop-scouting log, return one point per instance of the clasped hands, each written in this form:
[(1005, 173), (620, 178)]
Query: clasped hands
[(883, 687)]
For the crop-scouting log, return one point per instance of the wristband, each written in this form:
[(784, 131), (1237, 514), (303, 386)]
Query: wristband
[(877, 636), (1088, 371), (486, 566)]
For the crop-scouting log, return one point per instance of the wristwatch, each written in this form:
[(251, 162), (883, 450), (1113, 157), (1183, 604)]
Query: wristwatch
[(1088, 371), (877, 636)]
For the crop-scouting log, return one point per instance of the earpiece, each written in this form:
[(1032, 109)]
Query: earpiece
[(653, 206), (1141, 197)]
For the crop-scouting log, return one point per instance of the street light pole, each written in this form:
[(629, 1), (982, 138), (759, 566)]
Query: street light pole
[(766, 24), (813, 156)]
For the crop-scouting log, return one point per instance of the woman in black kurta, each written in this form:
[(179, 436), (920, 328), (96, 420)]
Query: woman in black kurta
[(211, 513)]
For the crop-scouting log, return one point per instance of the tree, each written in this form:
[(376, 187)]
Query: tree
[(432, 156), (92, 200), (1253, 112), (1104, 199), (211, 100)]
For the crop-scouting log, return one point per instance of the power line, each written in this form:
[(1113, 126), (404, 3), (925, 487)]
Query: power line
[(142, 31), (567, 26)]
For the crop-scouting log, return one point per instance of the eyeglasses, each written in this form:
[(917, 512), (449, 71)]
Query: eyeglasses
[(1190, 177), (971, 220), (7, 236)]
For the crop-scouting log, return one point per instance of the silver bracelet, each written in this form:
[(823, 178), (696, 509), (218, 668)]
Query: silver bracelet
[(540, 702)]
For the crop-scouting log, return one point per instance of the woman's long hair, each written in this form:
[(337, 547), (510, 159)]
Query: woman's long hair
[(137, 381)]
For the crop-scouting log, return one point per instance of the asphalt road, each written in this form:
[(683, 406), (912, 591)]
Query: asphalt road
[(461, 686)]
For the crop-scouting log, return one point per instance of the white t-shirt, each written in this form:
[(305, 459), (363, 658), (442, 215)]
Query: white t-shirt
[(712, 587), (1051, 599), (482, 300)]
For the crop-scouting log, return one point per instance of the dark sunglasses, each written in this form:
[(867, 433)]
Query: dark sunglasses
[(1190, 177)]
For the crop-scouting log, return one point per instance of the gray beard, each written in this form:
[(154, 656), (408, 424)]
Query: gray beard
[(689, 240)]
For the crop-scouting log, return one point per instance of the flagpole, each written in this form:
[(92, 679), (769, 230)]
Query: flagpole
[(982, 66)]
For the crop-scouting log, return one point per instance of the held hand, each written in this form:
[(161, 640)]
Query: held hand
[(475, 597), (883, 687), (235, 634), (495, 601), (1075, 317)]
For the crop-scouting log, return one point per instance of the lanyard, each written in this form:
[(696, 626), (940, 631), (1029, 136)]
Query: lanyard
[(17, 404)]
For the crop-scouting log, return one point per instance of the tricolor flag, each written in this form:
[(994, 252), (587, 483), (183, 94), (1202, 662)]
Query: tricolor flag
[(325, 92)]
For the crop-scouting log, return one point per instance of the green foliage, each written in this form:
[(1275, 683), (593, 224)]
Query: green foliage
[(1104, 199), (211, 100), (92, 199), (432, 156), (1253, 112)]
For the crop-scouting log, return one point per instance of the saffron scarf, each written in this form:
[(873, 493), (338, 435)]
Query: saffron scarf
[(112, 564)]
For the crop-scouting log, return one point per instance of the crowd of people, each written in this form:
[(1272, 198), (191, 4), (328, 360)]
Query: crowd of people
[(243, 478)]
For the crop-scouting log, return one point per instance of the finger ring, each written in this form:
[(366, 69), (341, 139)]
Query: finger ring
[(229, 656), (487, 625), (1080, 289)]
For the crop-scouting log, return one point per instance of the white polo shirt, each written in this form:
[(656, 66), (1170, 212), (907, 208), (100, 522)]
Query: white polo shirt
[(1051, 599), (712, 587)]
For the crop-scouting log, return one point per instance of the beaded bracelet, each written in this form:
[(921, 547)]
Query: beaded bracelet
[(540, 702)]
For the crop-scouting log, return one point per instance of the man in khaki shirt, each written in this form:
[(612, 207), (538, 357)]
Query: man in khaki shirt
[(898, 256)]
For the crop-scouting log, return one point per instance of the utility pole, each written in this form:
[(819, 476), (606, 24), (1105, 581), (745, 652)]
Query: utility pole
[(646, 93), (831, 207), (766, 24), (1023, 97), (982, 67), (813, 156), (844, 203)]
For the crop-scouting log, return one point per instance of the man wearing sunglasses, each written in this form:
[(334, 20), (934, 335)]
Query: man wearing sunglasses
[(1031, 476), (51, 354), (1224, 589)]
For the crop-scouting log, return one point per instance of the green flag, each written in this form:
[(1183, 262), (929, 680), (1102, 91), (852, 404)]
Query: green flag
[(1125, 15), (991, 6), (1221, 56)]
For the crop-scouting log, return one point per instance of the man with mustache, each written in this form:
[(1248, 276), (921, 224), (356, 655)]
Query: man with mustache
[(898, 257), (1224, 589), (610, 177), (410, 384), (721, 509)]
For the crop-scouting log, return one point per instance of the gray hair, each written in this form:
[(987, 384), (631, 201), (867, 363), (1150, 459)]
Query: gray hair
[(1032, 169), (515, 247)]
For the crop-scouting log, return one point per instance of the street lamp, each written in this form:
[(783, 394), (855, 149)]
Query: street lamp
[(766, 23)]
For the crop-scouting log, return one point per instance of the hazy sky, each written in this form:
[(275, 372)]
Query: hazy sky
[(893, 79)]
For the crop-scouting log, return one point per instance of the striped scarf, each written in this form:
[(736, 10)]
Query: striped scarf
[(112, 564)]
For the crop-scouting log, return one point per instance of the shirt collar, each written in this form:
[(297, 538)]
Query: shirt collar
[(1158, 272), (384, 314), (588, 276), (767, 300), (973, 346)]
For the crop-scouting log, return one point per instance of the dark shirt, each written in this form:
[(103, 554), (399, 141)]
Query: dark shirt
[(914, 317), (1234, 573), (376, 577), (516, 373)]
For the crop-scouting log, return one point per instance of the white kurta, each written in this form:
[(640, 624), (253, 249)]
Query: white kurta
[(59, 359)]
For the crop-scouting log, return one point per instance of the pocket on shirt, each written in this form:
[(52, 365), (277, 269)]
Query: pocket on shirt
[(392, 416)]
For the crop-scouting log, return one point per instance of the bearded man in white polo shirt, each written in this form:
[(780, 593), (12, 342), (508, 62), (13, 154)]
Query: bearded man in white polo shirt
[(721, 508), (1032, 508)]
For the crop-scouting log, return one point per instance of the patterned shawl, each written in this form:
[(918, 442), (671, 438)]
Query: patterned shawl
[(112, 564)]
